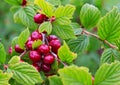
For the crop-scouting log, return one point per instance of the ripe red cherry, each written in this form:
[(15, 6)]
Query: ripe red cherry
[(35, 56), (24, 2), (36, 66), (44, 49), (18, 49), (52, 37), (36, 35), (39, 18), (29, 45), (46, 68), (48, 59)]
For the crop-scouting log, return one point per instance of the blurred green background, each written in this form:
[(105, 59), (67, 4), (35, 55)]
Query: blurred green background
[(90, 58)]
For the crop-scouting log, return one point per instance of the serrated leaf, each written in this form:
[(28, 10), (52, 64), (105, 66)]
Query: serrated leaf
[(79, 44), (36, 44), (63, 31), (23, 37), (55, 80), (4, 78), (108, 74), (25, 74), (109, 56), (2, 54), (65, 54), (89, 16), (14, 2), (74, 75), (54, 2), (109, 26), (14, 60), (63, 21), (46, 7), (46, 26)]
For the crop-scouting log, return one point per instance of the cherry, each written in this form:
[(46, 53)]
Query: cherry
[(18, 49), (39, 18), (46, 68), (34, 56), (36, 35), (24, 2), (29, 45), (52, 37), (10, 50), (48, 59), (36, 66), (44, 49), (21, 61)]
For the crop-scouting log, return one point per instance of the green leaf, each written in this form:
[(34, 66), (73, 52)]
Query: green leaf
[(55, 80), (65, 54), (63, 31), (4, 78), (14, 42), (23, 37), (108, 74), (14, 60), (46, 7), (36, 44), (109, 56), (25, 74), (79, 44), (89, 16), (2, 54), (117, 43), (74, 75), (63, 21), (14, 2), (109, 26), (54, 2), (46, 26)]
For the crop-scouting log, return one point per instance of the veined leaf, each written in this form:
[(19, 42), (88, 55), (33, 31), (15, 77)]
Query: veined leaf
[(109, 26), (55, 2), (14, 60), (89, 15), (14, 2), (2, 54), (74, 75)]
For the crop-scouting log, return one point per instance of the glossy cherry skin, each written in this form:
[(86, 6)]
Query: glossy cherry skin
[(48, 59), (52, 37), (46, 68), (36, 66), (39, 18), (18, 49), (36, 35), (29, 45), (35, 56), (43, 49), (24, 2)]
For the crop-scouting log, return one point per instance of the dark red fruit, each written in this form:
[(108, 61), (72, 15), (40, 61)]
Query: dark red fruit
[(29, 39), (29, 45), (39, 18), (24, 2), (52, 37), (46, 68), (48, 59), (44, 49), (55, 44), (35, 56), (18, 49), (36, 35), (36, 66)]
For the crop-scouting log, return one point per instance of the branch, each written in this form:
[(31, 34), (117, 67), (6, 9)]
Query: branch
[(23, 54), (94, 35)]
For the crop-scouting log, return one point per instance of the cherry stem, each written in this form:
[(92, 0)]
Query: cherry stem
[(22, 54), (44, 38), (94, 35)]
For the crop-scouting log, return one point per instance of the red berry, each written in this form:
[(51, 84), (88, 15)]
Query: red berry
[(29, 45), (18, 49), (52, 19), (46, 68), (24, 2), (39, 18), (10, 50), (36, 35), (21, 61), (52, 37), (48, 59), (35, 56), (29, 39), (44, 49), (36, 66)]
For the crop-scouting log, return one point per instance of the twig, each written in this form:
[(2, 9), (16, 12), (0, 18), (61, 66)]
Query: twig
[(23, 54), (94, 35)]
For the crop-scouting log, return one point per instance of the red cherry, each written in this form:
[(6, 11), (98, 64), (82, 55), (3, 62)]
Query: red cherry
[(46, 68), (29, 45), (36, 35), (39, 18), (29, 39), (36, 66), (24, 2), (18, 49), (48, 59), (34, 56), (21, 61), (44, 49), (10, 50), (52, 37)]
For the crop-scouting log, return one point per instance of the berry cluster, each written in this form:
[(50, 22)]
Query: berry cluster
[(41, 57)]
